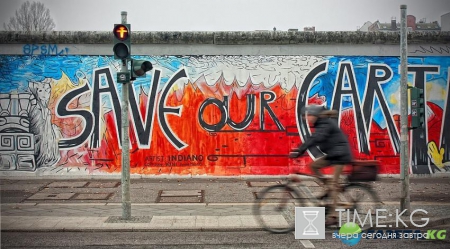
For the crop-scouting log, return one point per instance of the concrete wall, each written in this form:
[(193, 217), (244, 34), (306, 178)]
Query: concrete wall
[(216, 103), (231, 43)]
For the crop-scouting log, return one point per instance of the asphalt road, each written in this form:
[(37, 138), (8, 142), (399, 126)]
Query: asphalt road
[(163, 240)]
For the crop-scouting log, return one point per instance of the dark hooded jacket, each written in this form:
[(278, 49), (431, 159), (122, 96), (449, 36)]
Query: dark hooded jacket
[(331, 140)]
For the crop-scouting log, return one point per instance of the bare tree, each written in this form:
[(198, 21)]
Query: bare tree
[(31, 17)]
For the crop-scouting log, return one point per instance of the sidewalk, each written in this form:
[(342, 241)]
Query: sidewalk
[(213, 204)]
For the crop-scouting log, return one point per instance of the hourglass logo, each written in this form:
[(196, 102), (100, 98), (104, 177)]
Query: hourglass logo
[(309, 223)]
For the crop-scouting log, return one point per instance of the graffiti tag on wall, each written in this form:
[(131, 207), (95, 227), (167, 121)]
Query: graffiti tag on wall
[(44, 49)]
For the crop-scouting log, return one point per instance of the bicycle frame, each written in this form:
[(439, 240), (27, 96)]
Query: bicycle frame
[(309, 195), (311, 198)]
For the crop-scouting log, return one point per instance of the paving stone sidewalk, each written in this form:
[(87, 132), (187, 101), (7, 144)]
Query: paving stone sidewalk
[(208, 204)]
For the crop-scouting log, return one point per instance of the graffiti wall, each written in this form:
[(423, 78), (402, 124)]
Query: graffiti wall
[(214, 115)]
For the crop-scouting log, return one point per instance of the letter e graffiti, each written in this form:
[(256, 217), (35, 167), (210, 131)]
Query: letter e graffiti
[(163, 109)]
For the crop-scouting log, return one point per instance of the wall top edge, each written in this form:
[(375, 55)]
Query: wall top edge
[(226, 38)]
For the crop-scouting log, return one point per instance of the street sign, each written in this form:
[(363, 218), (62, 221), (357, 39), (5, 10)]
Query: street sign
[(417, 107), (123, 77)]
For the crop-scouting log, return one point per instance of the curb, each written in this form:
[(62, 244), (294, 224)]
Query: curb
[(432, 223), (241, 229)]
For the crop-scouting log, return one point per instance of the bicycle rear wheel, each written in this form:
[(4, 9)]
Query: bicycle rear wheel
[(362, 204), (275, 208)]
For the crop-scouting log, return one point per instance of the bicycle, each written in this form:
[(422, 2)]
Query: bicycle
[(355, 195)]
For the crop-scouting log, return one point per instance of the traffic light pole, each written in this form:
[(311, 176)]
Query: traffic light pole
[(126, 202), (404, 145)]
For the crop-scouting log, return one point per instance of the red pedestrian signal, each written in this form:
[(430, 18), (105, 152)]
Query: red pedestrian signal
[(121, 32), (122, 41)]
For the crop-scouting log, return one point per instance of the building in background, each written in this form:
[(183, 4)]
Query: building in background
[(309, 29), (378, 26), (411, 23), (365, 27)]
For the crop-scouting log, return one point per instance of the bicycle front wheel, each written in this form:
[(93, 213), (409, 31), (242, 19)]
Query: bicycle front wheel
[(275, 208)]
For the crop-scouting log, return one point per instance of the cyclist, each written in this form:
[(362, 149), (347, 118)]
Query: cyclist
[(333, 142)]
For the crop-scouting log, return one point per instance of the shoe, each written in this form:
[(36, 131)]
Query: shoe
[(331, 221)]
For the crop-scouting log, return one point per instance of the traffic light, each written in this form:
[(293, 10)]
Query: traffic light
[(417, 107), (122, 43), (139, 68)]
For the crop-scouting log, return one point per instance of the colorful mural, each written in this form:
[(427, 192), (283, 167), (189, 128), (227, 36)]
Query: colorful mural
[(214, 115)]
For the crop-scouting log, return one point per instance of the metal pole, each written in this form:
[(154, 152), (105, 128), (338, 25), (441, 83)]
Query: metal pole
[(126, 203), (404, 145)]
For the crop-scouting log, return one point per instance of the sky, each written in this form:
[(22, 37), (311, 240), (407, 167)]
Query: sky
[(228, 15)]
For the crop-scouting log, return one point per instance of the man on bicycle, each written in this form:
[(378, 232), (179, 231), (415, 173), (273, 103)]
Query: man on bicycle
[(333, 142)]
